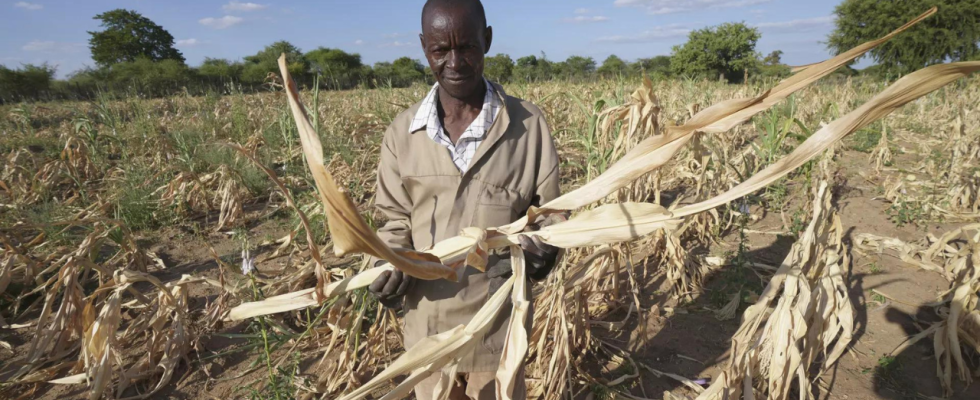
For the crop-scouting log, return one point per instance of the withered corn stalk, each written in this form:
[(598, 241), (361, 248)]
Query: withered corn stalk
[(803, 317), (609, 223), (956, 256)]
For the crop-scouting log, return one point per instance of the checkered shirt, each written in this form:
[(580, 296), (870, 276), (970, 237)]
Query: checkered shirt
[(464, 150)]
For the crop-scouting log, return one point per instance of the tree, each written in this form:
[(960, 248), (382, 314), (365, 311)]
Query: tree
[(129, 36), (953, 34), (577, 67), (257, 67), (150, 78), (498, 68), (403, 72), (772, 66), (28, 82), (220, 70), (340, 69), (613, 66), (532, 69), (658, 66), (727, 49), (774, 58)]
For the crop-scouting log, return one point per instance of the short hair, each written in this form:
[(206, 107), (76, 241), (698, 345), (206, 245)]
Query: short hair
[(474, 6)]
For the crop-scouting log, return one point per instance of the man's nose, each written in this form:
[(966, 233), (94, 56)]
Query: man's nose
[(455, 60)]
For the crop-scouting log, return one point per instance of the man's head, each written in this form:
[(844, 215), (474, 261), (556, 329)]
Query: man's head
[(455, 37)]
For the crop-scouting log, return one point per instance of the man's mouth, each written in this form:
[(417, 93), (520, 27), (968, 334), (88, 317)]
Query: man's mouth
[(457, 79)]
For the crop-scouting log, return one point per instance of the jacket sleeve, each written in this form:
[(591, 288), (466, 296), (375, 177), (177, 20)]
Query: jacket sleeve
[(392, 200), (548, 186)]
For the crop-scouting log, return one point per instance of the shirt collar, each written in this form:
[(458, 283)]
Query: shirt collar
[(427, 115)]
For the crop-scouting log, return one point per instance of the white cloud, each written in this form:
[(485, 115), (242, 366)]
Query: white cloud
[(394, 35), (239, 6), (658, 7), (28, 6), (397, 44), (583, 19), (44, 46), (358, 42), (796, 24), (188, 42), (655, 35), (221, 23), (583, 11)]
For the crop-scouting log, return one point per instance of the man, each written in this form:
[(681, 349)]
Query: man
[(466, 155)]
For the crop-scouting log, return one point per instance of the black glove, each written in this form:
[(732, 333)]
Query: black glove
[(390, 288), (540, 258)]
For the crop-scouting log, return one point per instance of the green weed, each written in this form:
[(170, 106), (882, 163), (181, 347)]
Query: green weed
[(902, 213)]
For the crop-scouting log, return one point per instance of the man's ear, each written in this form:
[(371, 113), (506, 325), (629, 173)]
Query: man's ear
[(488, 39), (422, 41)]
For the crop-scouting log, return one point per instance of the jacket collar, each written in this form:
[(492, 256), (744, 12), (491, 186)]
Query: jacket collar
[(497, 129)]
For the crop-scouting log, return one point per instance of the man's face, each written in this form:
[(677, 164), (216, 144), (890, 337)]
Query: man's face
[(454, 44)]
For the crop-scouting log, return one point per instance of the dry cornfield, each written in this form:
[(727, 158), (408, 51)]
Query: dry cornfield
[(178, 247)]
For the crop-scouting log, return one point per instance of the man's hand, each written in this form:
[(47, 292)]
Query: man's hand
[(540, 257), (390, 288)]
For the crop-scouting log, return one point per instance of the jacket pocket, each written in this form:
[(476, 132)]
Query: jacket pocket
[(496, 206)]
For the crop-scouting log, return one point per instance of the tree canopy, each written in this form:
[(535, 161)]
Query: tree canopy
[(129, 36), (498, 68), (403, 71), (953, 34), (336, 68), (532, 69), (613, 66), (727, 49), (258, 66)]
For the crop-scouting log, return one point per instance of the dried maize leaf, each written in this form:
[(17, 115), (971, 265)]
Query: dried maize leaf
[(348, 230), (654, 152), (441, 348), (515, 345)]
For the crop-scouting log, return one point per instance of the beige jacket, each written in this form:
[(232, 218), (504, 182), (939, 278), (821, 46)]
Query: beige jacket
[(426, 199)]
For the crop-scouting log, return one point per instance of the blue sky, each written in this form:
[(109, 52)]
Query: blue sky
[(55, 31)]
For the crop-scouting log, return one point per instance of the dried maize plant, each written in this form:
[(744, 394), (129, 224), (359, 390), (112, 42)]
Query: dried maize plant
[(220, 190), (66, 312), (168, 331), (882, 154), (956, 255), (579, 297), (164, 328), (803, 318), (100, 348), (15, 178), (960, 309), (60, 326), (186, 193), (24, 186), (954, 192), (610, 223), (638, 118), (77, 157), (964, 193), (936, 254)]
